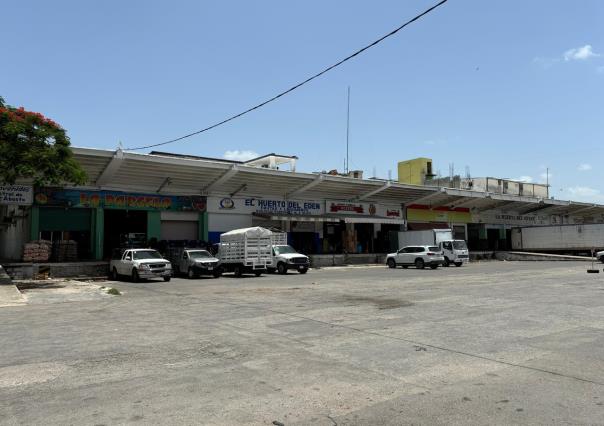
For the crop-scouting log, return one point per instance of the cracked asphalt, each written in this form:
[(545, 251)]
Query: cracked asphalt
[(490, 343)]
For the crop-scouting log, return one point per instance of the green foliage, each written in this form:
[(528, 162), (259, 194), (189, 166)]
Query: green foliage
[(35, 147), (113, 291)]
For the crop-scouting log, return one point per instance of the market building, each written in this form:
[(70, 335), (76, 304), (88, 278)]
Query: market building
[(161, 197)]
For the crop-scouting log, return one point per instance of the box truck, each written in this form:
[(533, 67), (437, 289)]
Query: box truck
[(455, 251)]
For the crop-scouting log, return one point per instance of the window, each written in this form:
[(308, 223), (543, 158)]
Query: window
[(447, 245), (147, 254), (433, 248), (128, 256)]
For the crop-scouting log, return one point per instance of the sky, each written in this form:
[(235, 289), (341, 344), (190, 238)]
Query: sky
[(508, 88)]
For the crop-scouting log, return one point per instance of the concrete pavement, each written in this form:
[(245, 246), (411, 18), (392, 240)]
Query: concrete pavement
[(491, 343)]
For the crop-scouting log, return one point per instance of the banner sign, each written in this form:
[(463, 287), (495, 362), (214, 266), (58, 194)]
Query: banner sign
[(20, 195), (57, 197), (364, 209), (264, 206), (517, 219)]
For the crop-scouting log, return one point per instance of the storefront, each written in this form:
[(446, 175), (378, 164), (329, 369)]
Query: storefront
[(313, 226), (301, 219), (363, 227), (99, 221)]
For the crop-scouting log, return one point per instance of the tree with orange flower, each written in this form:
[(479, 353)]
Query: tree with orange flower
[(35, 148)]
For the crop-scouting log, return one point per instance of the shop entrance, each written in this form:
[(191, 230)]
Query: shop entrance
[(333, 237), (124, 228), (364, 237)]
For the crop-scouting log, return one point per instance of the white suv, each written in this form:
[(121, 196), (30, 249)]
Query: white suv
[(420, 256), (139, 263)]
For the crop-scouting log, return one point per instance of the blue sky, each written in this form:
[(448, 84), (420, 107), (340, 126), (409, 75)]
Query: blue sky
[(507, 88)]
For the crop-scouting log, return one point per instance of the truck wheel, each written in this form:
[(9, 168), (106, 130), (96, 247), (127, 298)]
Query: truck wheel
[(238, 271), (303, 270), (419, 263), (135, 276), (191, 274), (391, 263), (602, 259), (447, 262), (113, 276), (167, 279), (458, 264), (257, 273), (282, 268)]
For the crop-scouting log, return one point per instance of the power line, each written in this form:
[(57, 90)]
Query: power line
[(291, 89)]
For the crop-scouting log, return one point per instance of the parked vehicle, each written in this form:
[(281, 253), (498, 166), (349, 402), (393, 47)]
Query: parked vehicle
[(600, 256), (573, 239), (418, 256), (139, 264), (454, 251), (193, 262), (285, 257), (246, 250)]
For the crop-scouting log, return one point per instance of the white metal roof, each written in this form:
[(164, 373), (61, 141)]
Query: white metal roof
[(118, 170)]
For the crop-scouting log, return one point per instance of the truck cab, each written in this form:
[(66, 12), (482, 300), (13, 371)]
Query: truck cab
[(285, 257), (455, 252)]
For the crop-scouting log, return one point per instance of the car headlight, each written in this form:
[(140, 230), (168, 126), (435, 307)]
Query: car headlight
[(144, 267), (168, 266)]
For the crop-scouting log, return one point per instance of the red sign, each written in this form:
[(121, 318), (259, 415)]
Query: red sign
[(346, 207)]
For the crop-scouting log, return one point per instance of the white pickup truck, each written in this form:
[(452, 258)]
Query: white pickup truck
[(286, 257), (139, 264)]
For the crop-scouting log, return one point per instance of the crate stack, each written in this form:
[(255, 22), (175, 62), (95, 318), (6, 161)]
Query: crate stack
[(37, 251), (65, 251)]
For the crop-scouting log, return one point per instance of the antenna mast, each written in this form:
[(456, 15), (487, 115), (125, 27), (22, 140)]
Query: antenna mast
[(347, 130)]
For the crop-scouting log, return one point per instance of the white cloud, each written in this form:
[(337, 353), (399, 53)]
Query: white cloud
[(526, 179), (584, 167), (585, 193), (545, 176), (237, 155), (580, 53)]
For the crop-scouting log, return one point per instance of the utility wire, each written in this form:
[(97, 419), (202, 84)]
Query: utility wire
[(291, 89)]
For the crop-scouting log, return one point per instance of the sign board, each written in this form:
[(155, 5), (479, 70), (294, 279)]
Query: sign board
[(20, 195), (363, 209), (56, 197), (264, 206), (517, 219)]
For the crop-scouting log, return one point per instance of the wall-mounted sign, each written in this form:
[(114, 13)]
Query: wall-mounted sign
[(57, 197), (21, 195), (363, 209), (264, 206)]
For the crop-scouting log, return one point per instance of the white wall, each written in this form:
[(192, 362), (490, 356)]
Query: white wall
[(220, 222)]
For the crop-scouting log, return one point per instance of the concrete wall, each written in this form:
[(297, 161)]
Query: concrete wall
[(23, 271), (12, 237)]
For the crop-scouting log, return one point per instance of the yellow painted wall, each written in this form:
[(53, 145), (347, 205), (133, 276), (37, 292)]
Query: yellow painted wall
[(413, 171), (422, 215)]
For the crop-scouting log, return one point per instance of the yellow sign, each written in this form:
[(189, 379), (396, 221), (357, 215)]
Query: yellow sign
[(427, 215)]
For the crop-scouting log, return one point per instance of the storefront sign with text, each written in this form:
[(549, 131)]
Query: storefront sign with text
[(21, 195), (118, 200)]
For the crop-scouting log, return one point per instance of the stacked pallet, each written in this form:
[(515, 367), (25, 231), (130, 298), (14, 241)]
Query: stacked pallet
[(65, 251), (37, 251)]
